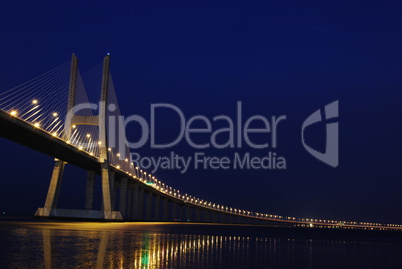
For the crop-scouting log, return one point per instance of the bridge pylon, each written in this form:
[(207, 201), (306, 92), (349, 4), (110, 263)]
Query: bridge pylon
[(50, 208)]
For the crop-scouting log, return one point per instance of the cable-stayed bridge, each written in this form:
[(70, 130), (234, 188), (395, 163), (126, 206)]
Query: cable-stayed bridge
[(55, 114)]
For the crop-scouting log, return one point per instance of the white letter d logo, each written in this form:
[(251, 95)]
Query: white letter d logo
[(330, 156)]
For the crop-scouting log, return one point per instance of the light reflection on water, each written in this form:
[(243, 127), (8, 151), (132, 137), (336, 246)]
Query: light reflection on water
[(146, 245)]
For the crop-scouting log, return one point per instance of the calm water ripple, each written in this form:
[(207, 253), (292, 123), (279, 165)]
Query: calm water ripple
[(45, 244)]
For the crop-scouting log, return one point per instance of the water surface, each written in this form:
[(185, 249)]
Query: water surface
[(61, 244)]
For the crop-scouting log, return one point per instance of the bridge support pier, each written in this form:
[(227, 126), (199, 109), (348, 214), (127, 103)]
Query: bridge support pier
[(89, 195), (134, 201), (197, 215), (222, 219), (107, 187), (148, 214), (165, 209), (123, 196), (182, 212), (188, 213), (179, 212), (53, 191), (140, 212), (212, 216), (50, 208), (157, 206), (206, 216), (129, 214), (174, 209), (113, 190)]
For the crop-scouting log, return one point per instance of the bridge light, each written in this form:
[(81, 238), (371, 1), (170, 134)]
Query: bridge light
[(118, 167), (92, 154), (54, 134), (37, 124), (68, 141), (109, 149), (118, 154), (80, 147), (34, 101), (55, 114), (74, 126), (13, 113), (99, 142), (126, 160), (88, 135)]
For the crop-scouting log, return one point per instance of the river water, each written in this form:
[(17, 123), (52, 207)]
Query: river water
[(31, 243)]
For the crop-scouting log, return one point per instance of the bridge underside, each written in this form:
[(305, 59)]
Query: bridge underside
[(23, 133)]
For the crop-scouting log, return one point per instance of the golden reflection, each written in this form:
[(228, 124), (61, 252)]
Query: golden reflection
[(102, 249), (166, 245), (146, 250), (47, 252)]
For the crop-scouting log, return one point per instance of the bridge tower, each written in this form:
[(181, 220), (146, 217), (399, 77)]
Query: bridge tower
[(50, 208)]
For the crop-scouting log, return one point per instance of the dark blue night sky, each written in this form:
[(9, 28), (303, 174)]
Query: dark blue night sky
[(204, 56)]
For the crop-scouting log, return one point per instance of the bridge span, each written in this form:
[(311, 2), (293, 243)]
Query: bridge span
[(128, 192)]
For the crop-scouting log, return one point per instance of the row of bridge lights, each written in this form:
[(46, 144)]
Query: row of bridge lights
[(153, 182), (15, 112), (55, 115), (35, 102), (190, 199)]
